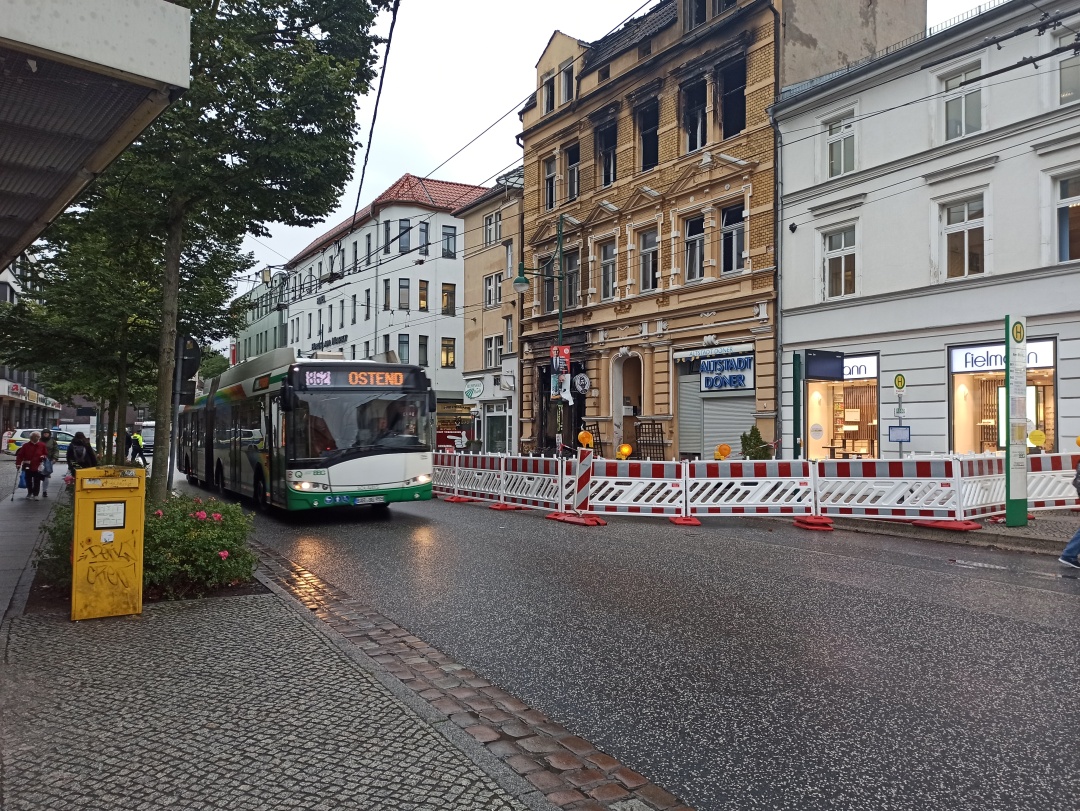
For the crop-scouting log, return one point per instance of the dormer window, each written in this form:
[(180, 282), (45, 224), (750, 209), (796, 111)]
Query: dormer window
[(566, 82), (603, 74)]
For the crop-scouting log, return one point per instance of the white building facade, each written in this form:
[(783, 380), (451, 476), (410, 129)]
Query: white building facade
[(266, 306), (925, 197), (390, 281)]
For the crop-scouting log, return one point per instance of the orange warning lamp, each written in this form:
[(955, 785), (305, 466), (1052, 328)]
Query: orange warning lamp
[(623, 452), (1078, 441), (723, 451), (585, 439)]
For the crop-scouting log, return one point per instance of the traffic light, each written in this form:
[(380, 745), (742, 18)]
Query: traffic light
[(189, 357)]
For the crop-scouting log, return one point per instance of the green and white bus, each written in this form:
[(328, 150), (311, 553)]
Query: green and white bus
[(312, 433)]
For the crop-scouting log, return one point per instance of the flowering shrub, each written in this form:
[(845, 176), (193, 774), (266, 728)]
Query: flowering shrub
[(187, 550), (192, 547)]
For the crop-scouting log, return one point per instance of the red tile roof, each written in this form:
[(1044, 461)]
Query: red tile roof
[(437, 195)]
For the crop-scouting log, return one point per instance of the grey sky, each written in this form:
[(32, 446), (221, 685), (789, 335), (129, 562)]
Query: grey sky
[(454, 69)]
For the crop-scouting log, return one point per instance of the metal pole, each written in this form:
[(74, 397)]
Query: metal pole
[(796, 405), (174, 453), (559, 340)]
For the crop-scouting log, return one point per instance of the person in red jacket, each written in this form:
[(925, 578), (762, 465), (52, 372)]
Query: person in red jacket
[(29, 458)]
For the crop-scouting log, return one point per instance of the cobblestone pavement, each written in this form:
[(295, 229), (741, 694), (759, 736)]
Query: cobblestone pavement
[(570, 771), (238, 703)]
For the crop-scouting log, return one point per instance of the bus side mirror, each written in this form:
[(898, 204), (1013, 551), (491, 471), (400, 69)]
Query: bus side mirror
[(432, 404), (286, 395)]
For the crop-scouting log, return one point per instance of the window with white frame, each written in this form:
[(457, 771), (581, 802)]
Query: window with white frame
[(840, 137), (649, 258), (354, 308), (449, 353), (732, 238), (964, 238), (694, 250), (367, 248), (572, 277), (367, 304), (449, 241), (963, 104), (493, 351), (573, 167), (449, 299), (606, 142), (403, 347), (549, 183), (510, 257), (493, 290), (1068, 218), (547, 272), (367, 349), (1069, 80), (403, 294), (386, 237), (840, 263), (423, 237), (386, 294), (566, 82), (404, 227), (648, 121), (492, 228), (607, 270), (508, 333)]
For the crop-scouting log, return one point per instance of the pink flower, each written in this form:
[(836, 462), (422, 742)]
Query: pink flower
[(198, 501), (68, 479), (216, 516), (158, 513), (224, 553), (201, 515)]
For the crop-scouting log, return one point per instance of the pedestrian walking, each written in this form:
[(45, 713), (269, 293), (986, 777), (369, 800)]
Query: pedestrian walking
[(1070, 555), (29, 459), (80, 454), (52, 456), (137, 448)]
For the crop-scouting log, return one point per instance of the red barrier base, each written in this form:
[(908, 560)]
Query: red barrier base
[(459, 499), (685, 521), (1000, 519), (818, 523), (503, 507), (576, 518), (954, 526)]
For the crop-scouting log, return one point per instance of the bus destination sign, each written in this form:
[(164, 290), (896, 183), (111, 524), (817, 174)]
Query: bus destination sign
[(352, 379)]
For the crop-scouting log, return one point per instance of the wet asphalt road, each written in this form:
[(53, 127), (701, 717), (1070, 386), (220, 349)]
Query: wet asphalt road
[(741, 666)]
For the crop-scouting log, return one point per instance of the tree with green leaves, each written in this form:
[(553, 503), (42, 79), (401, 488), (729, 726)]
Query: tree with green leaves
[(213, 363), (266, 133)]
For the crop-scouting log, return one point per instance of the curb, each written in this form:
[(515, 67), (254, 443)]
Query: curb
[(985, 538)]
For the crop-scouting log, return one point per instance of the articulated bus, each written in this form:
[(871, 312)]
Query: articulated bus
[(307, 433)]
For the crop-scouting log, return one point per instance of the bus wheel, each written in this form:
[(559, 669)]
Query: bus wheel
[(261, 501), (381, 510)]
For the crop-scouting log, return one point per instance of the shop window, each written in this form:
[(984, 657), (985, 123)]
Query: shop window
[(841, 145), (840, 263), (964, 244), (733, 238), (842, 416), (648, 133), (1068, 218), (649, 250), (694, 254), (963, 104), (608, 280)]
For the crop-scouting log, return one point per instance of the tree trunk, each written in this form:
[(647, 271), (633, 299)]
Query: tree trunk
[(110, 429), (170, 290), (121, 410)]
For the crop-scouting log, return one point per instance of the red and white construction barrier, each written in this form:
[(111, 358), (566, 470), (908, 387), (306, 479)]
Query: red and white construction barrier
[(938, 491)]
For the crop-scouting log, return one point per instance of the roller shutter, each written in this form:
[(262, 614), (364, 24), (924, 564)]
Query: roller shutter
[(690, 415), (725, 419)]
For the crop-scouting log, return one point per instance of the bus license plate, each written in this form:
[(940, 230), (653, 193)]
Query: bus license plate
[(369, 500)]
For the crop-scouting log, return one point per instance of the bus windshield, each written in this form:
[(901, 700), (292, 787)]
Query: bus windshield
[(339, 424)]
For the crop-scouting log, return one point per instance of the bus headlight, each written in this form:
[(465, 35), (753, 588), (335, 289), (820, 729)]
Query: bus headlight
[(423, 478), (306, 486)]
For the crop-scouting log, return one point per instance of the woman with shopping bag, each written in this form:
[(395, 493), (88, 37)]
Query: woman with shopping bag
[(52, 456), (29, 458)]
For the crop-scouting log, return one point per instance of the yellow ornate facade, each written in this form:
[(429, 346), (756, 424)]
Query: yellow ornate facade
[(652, 152)]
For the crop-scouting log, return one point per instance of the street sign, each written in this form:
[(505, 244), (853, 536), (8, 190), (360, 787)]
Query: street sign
[(899, 412), (900, 433), (1016, 418), (899, 383)]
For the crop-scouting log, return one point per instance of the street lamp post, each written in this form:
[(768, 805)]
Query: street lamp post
[(521, 285)]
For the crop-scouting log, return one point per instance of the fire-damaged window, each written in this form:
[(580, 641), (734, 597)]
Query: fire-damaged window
[(606, 139), (695, 122), (732, 88), (648, 130)]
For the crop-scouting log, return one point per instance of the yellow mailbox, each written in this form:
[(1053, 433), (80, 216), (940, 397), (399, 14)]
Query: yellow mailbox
[(107, 555)]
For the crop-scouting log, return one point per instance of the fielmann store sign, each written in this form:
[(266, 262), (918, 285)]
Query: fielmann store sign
[(991, 358)]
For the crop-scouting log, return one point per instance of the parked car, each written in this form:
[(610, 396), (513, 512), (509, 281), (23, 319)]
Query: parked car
[(13, 440)]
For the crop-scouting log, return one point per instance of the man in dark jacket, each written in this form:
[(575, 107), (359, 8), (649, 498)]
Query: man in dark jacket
[(29, 458), (80, 454)]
